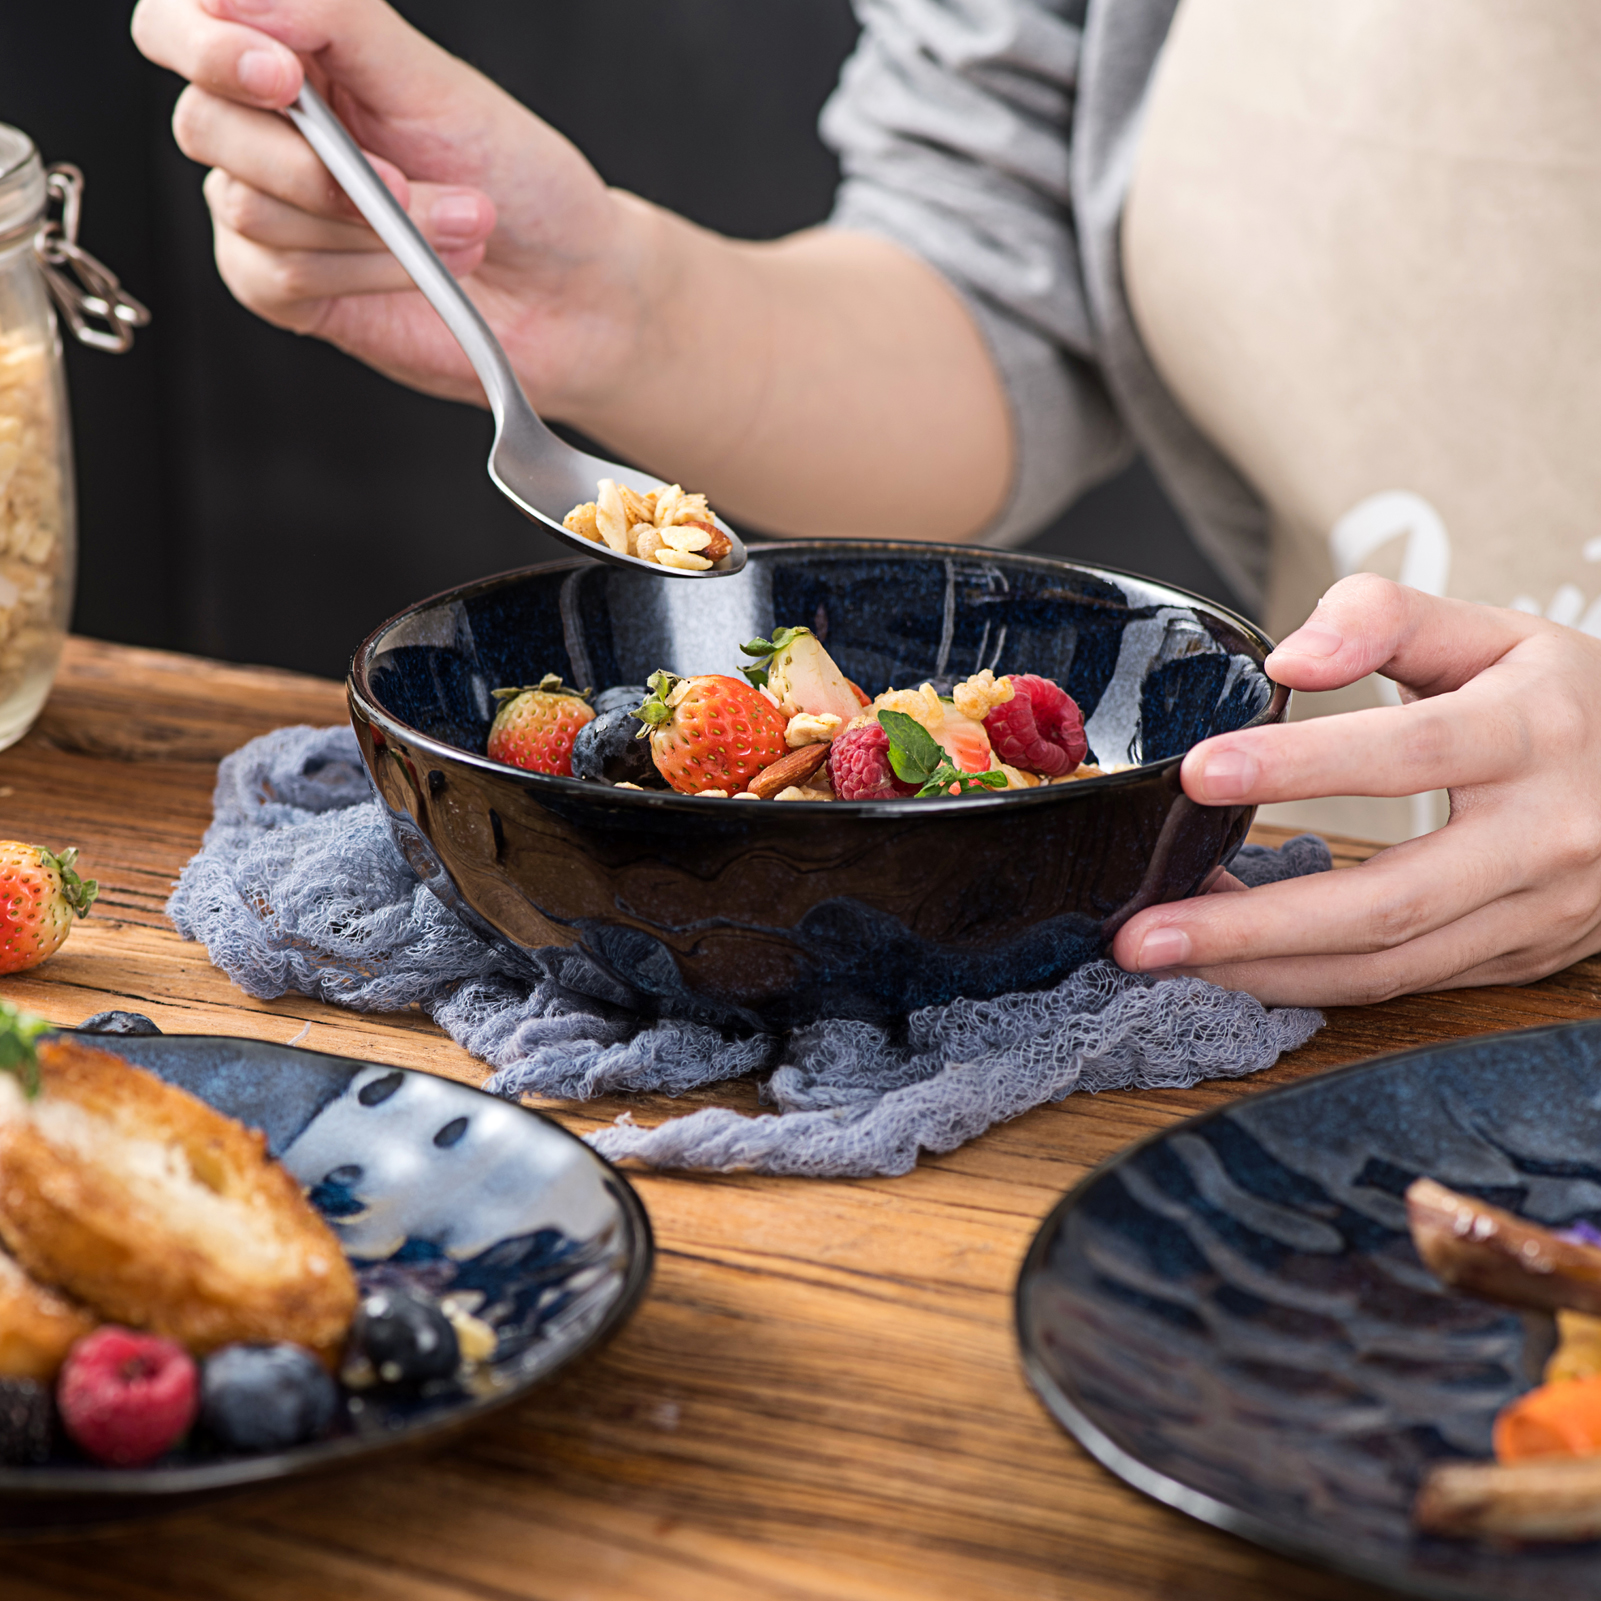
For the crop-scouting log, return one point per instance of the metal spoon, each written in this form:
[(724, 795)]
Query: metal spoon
[(543, 477)]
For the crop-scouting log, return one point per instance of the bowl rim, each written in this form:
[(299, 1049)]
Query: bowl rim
[(146, 1487), (362, 699)]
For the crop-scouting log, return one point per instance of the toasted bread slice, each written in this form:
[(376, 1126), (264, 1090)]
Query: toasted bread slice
[(37, 1326), (157, 1211)]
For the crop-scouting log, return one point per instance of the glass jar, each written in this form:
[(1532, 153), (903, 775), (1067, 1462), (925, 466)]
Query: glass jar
[(41, 263)]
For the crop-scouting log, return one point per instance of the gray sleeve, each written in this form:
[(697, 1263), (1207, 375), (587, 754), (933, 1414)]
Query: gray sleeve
[(952, 124)]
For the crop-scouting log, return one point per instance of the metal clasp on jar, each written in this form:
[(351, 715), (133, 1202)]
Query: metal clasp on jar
[(81, 286)]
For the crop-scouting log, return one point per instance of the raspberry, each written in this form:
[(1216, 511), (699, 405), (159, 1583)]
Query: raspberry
[(127, 1397), (1040, 729), (858, 766)]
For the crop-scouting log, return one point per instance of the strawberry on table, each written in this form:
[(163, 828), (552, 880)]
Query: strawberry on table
[(40, 894), (536, 726), (711, 732)]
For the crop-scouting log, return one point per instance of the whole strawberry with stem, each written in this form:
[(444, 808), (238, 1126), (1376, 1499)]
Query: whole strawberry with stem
[(537, 724), (710, 732), (1040, 729), (40, 894)]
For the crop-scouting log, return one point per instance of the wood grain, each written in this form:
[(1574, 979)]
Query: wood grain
[(819, 1401)]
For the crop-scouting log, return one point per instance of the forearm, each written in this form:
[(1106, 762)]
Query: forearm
[(824, 384)]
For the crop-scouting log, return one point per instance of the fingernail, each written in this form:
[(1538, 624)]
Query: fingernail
[(1310, 639), (455, 216), (1228, 774), (1163, 947), (260, 73)]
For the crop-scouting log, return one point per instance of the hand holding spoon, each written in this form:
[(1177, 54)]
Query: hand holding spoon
[(542, 476)]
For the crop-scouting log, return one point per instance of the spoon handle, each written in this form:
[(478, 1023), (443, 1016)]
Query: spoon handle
[(351, 170)]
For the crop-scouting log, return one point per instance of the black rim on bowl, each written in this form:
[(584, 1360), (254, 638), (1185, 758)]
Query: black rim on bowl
[(361, 690)]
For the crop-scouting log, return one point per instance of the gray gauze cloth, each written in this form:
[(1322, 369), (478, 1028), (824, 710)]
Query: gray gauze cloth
[(299, 886)]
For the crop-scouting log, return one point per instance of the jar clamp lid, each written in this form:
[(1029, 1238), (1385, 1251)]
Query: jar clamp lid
[(86, 291)]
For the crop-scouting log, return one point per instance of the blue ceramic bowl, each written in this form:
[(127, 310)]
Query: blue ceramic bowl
[(771, 914), (1232, 1317), (427, 1183)]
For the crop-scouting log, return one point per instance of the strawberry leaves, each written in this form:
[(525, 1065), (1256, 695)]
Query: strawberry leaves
[(654, 710), (18, 1054), (78, 893), (764, 650), (550, 684), (918, 758)]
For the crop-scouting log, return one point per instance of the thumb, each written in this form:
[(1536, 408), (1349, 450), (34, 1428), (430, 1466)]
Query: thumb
[(1366, 624), (364, 46)]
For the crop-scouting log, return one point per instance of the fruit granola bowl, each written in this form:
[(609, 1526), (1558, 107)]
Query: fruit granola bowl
[(767, 915)]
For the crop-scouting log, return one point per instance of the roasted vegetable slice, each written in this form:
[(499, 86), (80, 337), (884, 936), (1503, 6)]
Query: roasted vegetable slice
[(1479, 1248)]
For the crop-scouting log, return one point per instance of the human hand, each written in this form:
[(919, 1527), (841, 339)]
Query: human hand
[(1503, 710), (827, 383), (548, 252)]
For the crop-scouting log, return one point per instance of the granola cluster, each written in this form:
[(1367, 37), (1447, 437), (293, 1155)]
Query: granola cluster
[(32, 547), (666, 526)]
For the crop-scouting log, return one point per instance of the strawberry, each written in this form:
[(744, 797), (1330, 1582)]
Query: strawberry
[(536, 726), (801, 676), (1040, 729), (711, 732), (39, 895), (964, 741)]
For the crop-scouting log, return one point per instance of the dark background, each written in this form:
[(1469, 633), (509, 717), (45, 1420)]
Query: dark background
[(259, 497)]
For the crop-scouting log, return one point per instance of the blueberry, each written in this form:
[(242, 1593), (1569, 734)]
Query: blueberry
[(622, 698), (403, 1338), (118, 1023), (265, 1397), (608, 748), (27, 1422)]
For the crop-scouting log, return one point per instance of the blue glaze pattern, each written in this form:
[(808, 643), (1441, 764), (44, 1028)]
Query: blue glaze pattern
[(1232, 1317), (770, 916), (427, 1183)]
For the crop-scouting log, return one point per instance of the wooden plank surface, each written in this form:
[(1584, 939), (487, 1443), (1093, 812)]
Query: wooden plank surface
[(819, 1400)]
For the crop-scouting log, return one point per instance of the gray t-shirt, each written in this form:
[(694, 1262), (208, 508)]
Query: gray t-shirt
[(996, 139)]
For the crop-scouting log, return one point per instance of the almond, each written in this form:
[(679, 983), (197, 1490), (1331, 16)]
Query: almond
[(789, 770)]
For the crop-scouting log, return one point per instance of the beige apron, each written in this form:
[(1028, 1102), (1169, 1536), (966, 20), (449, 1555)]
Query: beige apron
[(1363, 245)]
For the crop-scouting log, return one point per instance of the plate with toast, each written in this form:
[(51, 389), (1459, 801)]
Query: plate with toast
[(227, 1262)]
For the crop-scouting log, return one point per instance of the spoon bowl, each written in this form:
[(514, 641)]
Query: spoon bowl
[(543, 476)]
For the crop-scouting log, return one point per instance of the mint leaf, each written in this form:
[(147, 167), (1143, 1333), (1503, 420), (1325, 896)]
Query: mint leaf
[(18, 1031), (939, 782), (914, 753)]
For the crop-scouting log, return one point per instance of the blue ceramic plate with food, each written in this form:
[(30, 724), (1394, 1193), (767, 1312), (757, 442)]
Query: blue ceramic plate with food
[(472, 1214), (1233, 1317)]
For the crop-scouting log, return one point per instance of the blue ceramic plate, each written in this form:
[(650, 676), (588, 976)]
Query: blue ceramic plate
[(425, 1181), (1231, 1317)]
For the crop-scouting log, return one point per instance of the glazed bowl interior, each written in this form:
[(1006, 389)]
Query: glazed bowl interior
[(1153, 669)]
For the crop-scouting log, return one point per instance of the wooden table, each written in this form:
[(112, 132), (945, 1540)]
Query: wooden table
[(818, 1401)]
